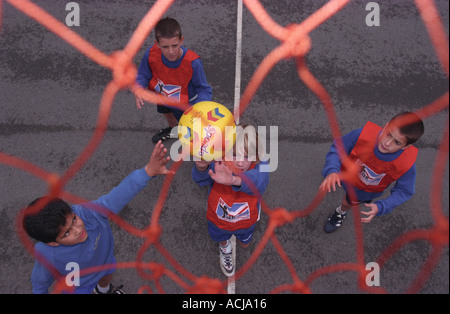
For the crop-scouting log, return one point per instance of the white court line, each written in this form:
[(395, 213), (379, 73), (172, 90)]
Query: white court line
[(237, 80), (231, 289), (237, 98)]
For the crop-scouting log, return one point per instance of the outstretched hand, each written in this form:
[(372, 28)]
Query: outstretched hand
[(158, 161), (330, 182), (139, 102), (224, 175), (373, 211)]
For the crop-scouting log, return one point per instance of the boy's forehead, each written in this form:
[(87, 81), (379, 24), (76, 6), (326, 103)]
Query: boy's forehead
[(67, 224), (69, 218), (397, 134), (171, 40)]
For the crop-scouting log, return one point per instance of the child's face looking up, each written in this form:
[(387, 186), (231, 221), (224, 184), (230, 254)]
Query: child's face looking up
[(73, 232), (171, 47), (391, 140), (242, 163)]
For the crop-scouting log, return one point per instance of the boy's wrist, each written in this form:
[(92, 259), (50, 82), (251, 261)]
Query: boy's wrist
[(149, 172), (237, 181)]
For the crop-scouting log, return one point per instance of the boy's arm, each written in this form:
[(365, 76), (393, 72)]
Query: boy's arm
[(41, 278), (143, 77), (144, 74), (332, 168), (41, 281), (402, 191), (199, 82), (122, 194), (253, 181), (332, 159)]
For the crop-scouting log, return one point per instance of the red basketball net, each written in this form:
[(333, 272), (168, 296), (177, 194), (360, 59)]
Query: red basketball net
[(295, 43)]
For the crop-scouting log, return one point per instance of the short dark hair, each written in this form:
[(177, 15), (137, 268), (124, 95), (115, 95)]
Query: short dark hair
[(167, 28), (46, 224), (410, 126)]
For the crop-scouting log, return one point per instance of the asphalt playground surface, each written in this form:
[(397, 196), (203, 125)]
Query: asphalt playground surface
[(49, 98)]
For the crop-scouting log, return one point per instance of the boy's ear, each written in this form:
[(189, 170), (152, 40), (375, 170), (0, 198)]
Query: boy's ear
[(406, 146), (53, 243)]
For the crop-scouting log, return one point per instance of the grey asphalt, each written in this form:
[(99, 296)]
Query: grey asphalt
[(49, 99)]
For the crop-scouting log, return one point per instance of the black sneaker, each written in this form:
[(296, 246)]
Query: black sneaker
[(112, 290), (162, 135), (334, 222)]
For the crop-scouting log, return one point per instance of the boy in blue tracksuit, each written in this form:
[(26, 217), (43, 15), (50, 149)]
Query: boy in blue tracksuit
[(170, 69), (80, 234), (382, 156)]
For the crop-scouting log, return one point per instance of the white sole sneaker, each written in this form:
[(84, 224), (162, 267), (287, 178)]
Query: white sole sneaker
[(226, 263)]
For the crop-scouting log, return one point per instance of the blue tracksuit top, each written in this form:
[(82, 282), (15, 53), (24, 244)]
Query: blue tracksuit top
[(403, 189), (98, 249), (198, 88)]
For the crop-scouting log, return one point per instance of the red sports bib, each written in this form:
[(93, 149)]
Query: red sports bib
[(375, 175), (171, 82), (231, 210)]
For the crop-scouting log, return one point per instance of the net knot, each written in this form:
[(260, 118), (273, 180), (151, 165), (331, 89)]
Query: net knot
[(281, 216), (440, 233), (300, 287), (298, 42), (207, 285), (54, 185), (124, 71), (157, 270), (153, 233), (145, 289)]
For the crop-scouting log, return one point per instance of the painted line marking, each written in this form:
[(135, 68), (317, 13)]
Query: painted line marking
[(237, 81), (237, 98), (231, 280)]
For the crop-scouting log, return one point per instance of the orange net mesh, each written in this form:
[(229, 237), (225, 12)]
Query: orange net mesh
[(295, 43)]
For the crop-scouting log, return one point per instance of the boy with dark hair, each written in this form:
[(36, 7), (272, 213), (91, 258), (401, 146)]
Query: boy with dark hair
[(81, 233), (170, 69), (382, 156)]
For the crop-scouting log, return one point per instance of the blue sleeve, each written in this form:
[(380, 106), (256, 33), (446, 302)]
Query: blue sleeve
[(402, 191), (144, 74), (253, 181), (332, 160), (122, 194), (41, 278), (199, 84)]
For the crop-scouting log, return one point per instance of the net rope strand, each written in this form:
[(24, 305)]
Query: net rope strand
[(295, 43)]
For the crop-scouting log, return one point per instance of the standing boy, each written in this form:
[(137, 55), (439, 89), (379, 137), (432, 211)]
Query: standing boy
[(81, 233), (382, 156), (235, 193), (170, 69)]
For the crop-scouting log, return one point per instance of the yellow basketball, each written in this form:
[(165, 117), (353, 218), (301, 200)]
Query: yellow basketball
[(208, 129)]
